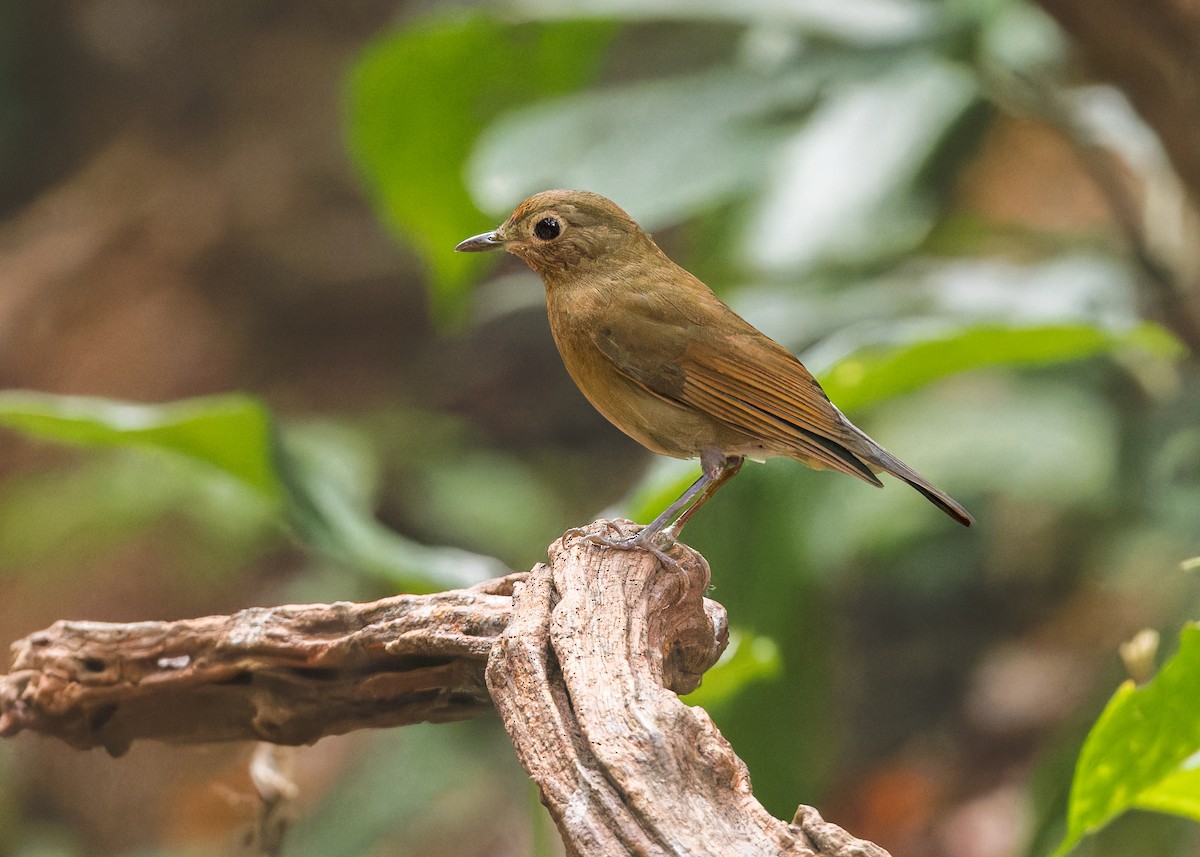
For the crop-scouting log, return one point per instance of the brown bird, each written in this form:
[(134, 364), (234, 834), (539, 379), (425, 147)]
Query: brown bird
[(668, 363)]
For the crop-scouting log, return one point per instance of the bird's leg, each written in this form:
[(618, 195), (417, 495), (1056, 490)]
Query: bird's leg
[(661, 532), (668, 514), (722, 470)]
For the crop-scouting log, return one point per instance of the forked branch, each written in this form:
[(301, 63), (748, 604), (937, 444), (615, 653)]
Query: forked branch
[(584, 659)]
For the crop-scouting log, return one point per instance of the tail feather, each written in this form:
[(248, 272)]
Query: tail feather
[(854, 452), (942, 500), (935, 495)]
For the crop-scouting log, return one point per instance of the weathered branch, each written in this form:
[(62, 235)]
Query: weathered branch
[(584, 658), (624, 766), (288, 675)]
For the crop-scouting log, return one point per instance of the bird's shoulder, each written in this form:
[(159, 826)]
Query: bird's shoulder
[(646, 325), (682, 341)]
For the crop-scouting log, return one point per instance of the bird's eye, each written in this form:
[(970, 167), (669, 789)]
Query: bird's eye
[(547, 229)]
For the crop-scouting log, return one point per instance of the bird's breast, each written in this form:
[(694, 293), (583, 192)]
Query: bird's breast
[(659, 423)]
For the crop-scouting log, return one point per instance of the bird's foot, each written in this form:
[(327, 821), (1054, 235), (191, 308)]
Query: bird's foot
[(603, 536), (610, 535)]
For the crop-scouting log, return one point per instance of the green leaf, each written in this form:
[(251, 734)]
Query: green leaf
[(309, 486), (54, 521), (417, 101), (847, 187), (664, 482), (231, 433), (876, 373), (1177, 793), (664, 149), (329, 509), (749, 657), (1135, 754), (401, 789), (867, 21)]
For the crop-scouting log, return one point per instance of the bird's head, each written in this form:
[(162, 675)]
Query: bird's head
[(563, 232)]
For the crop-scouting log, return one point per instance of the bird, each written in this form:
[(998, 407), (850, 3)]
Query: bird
[(671, 365)]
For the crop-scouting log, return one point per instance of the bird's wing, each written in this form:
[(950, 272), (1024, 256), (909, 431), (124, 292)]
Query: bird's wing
[(737, 376), (648, 352)]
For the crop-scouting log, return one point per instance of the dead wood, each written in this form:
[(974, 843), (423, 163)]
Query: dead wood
[(288, 675), (581, 678), (584, 659)]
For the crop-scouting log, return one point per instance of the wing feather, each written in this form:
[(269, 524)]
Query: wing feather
[(740, 379), (784, 409)]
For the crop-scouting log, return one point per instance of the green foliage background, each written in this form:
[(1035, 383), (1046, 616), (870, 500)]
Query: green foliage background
[(805, 164)]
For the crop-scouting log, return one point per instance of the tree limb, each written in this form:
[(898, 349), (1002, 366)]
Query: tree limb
[(624, 766), (584, 658), (288, 675)]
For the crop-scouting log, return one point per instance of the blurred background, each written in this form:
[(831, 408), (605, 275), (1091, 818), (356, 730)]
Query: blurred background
[(972, 219)]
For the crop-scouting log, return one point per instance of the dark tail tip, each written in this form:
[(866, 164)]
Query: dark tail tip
[(932, 493), (944, 502)]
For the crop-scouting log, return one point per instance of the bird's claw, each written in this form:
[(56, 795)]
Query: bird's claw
[(656, 543), (596, 537)]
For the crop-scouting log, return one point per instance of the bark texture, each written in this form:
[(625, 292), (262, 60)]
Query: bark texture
[(288, 675), (583, 678), (584, 658)]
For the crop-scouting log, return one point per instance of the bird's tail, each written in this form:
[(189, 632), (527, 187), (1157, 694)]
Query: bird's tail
[(886, 461)]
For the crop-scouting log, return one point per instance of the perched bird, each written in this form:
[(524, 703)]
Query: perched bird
[(668, 363)]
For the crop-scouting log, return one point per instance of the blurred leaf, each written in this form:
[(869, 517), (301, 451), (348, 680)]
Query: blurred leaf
[(664, 482), (750, 657), (919, 300), (1067, 287), (471, 495), (1177, 793), (843, 189), (1137, 748), (56, 521), (866, 21), (876, 374), (417, 100), (326, 502), (1106, 118), (231, 433), (1017, 36), (663, 149), (406, 786), (329, 505), (1055, 446)]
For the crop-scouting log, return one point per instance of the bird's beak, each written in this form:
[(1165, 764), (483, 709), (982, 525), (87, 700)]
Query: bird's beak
[(479, 243)]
